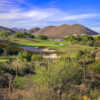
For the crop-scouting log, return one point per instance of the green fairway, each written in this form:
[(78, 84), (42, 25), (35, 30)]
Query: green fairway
[(38, 43), (2, 60)]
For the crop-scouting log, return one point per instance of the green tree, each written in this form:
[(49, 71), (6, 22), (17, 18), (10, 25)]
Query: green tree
[(23, 35), (42, 37), (71, 38)]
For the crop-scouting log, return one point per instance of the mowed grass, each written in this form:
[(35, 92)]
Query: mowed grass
[(38, 43), (3, 60)]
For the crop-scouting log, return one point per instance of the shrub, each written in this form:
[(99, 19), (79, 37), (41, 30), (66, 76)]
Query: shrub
[(24, 56), (12, 52), (79, 54), (36, 57), (95, 67), (21, 82), (87, 40), (1, 51)]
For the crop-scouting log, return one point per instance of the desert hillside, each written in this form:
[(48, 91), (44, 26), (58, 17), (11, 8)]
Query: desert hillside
[(64, 30), (2, 29)]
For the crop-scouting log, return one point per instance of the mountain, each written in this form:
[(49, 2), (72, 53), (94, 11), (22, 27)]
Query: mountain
[(32, 30), (59, 32), (6, 29), (19, 30)]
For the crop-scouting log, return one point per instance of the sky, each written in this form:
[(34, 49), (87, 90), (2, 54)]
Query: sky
[(42, 13)]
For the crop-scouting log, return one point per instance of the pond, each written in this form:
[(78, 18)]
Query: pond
[(37, 50)]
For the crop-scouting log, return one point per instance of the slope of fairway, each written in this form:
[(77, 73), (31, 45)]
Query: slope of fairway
[(38, 43), (3, 60)]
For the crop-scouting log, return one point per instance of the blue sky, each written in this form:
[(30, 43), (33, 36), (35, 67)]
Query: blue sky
[(41, 13)]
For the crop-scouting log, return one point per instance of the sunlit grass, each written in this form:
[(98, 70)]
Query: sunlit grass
[(2, 60), (38, 43)]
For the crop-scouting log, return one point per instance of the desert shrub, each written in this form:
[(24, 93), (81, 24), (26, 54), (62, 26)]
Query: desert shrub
[(6, 69), (85, 56), (24, 56), (87, 40), (61, 77), (4, 81), (12, 52), (27, 55), (95, 67), (22, 68), (1, 51), (82, 39), (97, 38), (5, 34), (80, 53), (21, 82), (36, 57), (95, 94), (86, 37)]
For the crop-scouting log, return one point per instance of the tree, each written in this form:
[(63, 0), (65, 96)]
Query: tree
[(23, 35), (42, 37), (71, 38)]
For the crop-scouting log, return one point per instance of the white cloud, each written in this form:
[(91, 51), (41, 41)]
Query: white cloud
[(80, 16), (11, 15), (97, 28), (43, 14)]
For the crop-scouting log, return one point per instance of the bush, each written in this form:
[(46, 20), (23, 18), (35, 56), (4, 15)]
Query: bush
[(1, 51), (87, 40), (95, 67), (36, 58), (12, 52), (79, 54), (24, 56), (21, 82), (97, 38)]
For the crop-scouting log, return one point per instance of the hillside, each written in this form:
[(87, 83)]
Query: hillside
[(6, 29), (32, 30), (62, 31), (19, 30)]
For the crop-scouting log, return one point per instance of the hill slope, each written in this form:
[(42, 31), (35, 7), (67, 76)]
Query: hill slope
[(6, 29), (59, 32)]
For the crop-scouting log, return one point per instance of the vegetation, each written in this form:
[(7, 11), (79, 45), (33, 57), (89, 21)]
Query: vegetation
[(4, 34), (23, 35), (82, 39), (42, 37), (73, 75)]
